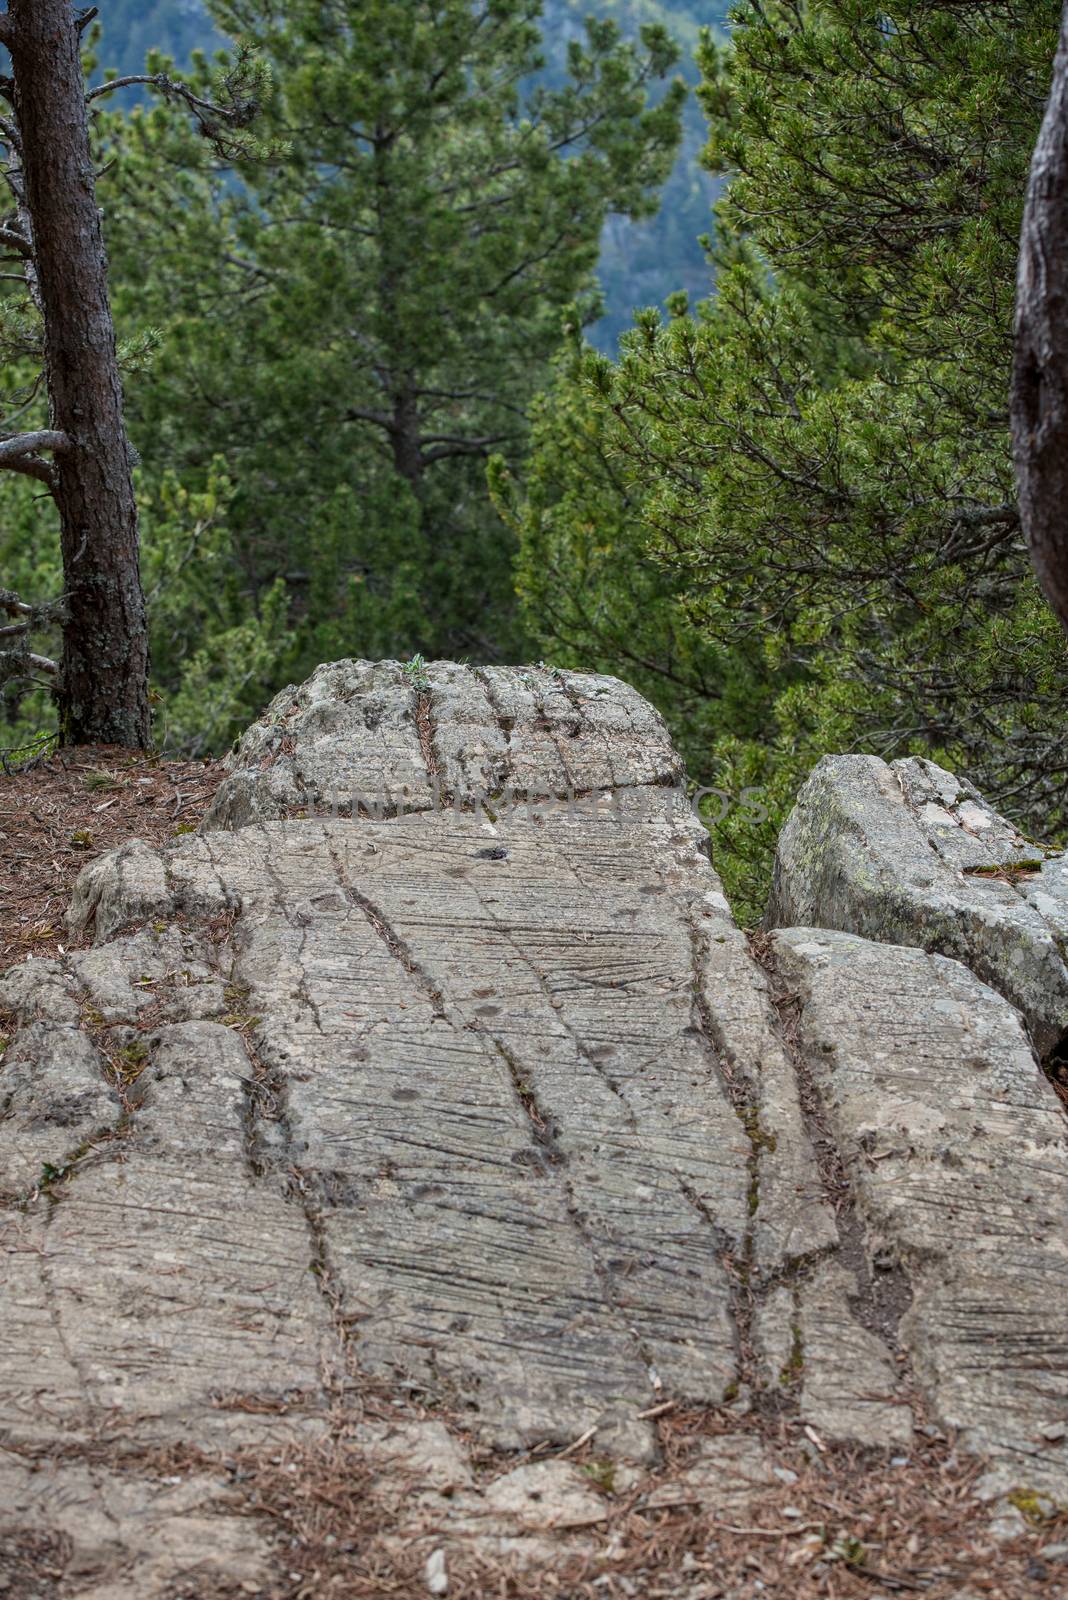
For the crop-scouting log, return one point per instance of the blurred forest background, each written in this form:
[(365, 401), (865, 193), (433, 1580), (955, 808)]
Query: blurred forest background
[(448, 355), (641, 262)]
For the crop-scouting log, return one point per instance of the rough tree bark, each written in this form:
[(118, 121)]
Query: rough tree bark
[(1039, 404), (103, 680)]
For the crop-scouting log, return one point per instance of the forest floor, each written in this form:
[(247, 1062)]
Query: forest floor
[(58, 813), (843, 1523)]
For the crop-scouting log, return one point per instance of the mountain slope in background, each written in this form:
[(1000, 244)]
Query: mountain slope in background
[(641, 262), (131, 28)]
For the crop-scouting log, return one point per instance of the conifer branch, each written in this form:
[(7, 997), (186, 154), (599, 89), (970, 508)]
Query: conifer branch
[(19, 454)]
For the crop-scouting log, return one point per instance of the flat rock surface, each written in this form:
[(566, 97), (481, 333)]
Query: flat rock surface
[(910, 854), (956, 1151), (484, 1067), (463, 1129)]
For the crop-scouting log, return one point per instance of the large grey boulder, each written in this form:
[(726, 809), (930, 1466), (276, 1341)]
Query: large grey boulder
[(909, 854), (477, 1095), (528, 1075)]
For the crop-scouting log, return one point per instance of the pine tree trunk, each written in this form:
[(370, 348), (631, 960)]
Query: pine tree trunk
[(1040, 378), (405, 440), (103, 684)]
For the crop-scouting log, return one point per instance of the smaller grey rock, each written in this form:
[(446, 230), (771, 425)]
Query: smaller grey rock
[(542, 1495), (121, 887), (136, 884), (37, 989), (162, 968), (909, 854), (179, 1534), (53, 1098), (849, 1383), (955, 1147), (731, 1471), (776, 1335), (437, 1579), (425, 1450)]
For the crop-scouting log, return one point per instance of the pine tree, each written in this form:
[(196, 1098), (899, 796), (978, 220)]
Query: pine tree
[(365, 318), (1040, 372), (64, 383), (815, 464), (54, 237)]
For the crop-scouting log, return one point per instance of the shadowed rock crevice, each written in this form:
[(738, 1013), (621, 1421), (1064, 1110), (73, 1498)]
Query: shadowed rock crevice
[(1055, 1066), (546, 1151), (424, 722), (880, 1293), (392, 941), (737, 1085)]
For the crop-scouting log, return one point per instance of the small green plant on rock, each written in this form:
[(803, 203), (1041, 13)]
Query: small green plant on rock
[(849, 1549), (414, 670), (240, 1021), (759, 1137), (1036, 1509)]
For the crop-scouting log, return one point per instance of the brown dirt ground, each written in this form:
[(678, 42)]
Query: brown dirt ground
[(59, 813), (852, 1526)]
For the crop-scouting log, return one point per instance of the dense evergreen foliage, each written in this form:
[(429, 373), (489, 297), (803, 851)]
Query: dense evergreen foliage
[(353, 319), (642, 259), (789, 512)]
